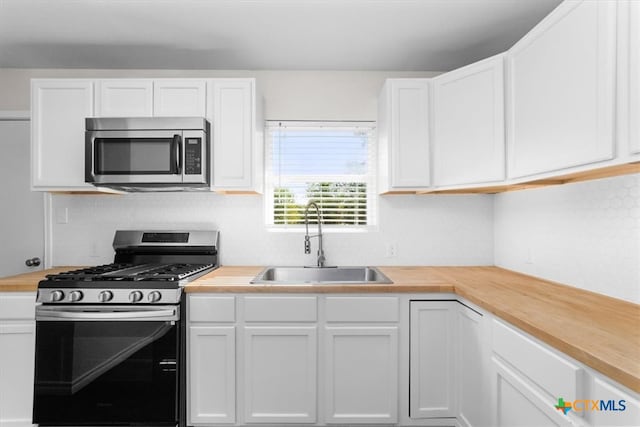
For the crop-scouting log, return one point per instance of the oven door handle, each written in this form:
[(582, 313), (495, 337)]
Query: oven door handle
[(130, 315)]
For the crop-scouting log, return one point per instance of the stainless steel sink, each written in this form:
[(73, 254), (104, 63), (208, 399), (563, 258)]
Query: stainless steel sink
[(321, 275)]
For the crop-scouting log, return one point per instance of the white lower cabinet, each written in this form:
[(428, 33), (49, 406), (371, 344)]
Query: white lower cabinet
[(212, 380), (17, 346), (518, 404), (432, 359), (471, 368), (280, 372), (388, 359), (361, 375)]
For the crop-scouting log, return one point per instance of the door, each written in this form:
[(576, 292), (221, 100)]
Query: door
[(179, 98), (468, 124), (212, 374), (432, 359), (280, 372), (561, 94), (361, 375), (472, 401), (124, 98), (517, 404), (22, 221), (105, 366)]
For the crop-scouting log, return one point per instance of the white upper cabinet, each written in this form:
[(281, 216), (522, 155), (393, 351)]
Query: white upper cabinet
[(561, 92), (237, 135), (58, 112), (179, 98), (124, 98), (403, 135), (468, 124), (634, 77)]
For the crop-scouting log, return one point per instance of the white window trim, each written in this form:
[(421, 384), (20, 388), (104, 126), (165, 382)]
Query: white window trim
[(370, 179)]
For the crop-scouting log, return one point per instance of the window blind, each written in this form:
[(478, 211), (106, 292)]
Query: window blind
[(331, 163)]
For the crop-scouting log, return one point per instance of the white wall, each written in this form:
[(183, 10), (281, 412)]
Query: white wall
[(427, 230), (583, 234)]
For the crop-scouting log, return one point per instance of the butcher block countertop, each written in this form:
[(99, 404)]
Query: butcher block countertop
[(599, 331)]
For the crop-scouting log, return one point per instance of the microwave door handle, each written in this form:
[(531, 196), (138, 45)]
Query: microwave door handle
[(177, 160)]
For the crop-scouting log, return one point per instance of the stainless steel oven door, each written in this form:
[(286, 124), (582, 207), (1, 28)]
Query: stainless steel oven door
[(114, 365), (146, 157)]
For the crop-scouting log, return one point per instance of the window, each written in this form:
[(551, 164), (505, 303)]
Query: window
[(330, 163)]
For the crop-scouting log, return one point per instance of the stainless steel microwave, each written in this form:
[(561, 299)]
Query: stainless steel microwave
[(148, 153)]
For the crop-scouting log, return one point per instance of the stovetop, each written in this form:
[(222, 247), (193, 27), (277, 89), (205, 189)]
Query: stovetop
[(129, 272), (150, 267)]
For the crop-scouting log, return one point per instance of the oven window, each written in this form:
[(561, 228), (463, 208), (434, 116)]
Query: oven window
[(134, 156), (105, 372)]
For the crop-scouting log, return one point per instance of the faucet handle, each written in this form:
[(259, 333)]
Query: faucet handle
[(307, 245)]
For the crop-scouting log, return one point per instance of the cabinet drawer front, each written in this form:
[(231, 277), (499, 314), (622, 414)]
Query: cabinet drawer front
[(362, 309), (556, 375), (211, 309), (18, 306), (280, 309)]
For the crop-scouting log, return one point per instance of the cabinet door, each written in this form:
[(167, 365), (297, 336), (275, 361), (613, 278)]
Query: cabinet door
[(232, 114), (614, 398), (212, 375), (124, 98), (361, 375), (468, 126), (179, 98), (280, 373), (561, 91), (58, 112), (409, 139), (634, 78), (471, 348), (17, 344), (432, 359), (517, 404)]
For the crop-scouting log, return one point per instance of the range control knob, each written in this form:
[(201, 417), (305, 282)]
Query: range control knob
[(105, 296), (135, 296), (57, 296), (75, 296), (154, 296)]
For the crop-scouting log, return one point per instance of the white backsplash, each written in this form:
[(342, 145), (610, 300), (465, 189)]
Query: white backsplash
[(584, 234), (425, 230)]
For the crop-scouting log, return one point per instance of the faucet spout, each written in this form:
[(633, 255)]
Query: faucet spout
[(307, 237)]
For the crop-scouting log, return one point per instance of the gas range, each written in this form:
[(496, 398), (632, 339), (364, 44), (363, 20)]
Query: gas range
[(150, 267)]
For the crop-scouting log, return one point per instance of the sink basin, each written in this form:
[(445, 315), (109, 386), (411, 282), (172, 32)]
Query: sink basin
[(321, 275)]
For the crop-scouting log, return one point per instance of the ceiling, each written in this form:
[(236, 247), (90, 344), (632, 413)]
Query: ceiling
[(375, 35)]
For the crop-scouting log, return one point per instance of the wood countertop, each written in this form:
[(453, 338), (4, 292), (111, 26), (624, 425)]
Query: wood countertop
[(599, 331), (28, 282)]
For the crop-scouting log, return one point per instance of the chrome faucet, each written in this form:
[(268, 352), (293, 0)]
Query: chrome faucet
[(307, 238)]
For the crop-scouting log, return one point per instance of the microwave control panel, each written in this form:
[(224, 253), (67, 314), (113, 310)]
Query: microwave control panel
[(193, 156)]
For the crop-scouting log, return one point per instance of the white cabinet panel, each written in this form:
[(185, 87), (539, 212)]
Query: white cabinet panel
[(468, 126), (17, 346), (432, 359), (179, 98), (361, 375), (280, 372), (471, 348), (619, 408), (58, 112), (232, 112), (562, 91), (124, 98), (211, 374), (519, 405), (634, 77), (403, 135)]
